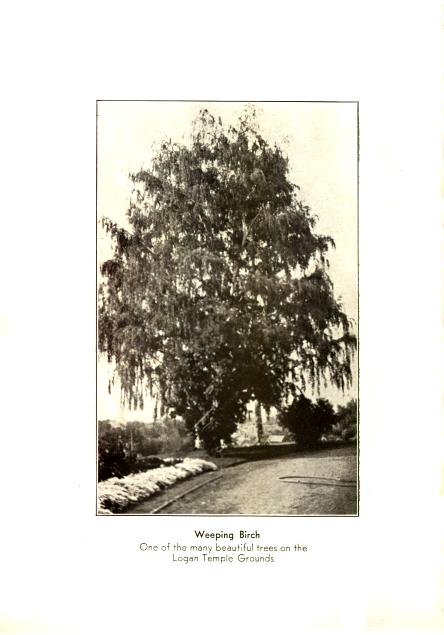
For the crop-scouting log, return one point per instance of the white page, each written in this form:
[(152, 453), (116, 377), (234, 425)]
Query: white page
[(63, 568)]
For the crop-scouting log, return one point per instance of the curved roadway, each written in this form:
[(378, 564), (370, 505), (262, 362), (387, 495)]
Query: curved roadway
[(319, 483)]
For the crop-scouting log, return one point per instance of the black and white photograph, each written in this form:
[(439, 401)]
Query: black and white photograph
[(227, 308), (221, 320)]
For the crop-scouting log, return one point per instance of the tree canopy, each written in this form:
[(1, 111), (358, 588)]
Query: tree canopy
[(219, 293)]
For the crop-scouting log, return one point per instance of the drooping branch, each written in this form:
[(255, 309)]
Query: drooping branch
[(220, 293)]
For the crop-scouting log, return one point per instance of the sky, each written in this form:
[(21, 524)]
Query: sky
[(320, 140)]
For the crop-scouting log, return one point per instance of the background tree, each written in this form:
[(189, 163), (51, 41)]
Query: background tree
[(347, 420), (308, 420), (219, 294), (326, 413)]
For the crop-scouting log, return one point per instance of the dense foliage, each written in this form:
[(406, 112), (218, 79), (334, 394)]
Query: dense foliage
[(347, 421), (308, 420), (125, 449), (116, 495), (219, 294)]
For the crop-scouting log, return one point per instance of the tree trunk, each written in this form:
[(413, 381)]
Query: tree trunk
[(259, 425)]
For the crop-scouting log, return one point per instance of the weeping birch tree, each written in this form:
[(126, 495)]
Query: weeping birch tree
[(219, 294)]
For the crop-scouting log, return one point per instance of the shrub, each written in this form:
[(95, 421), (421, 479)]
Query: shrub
[(347, 420), (307, 420), (116, 495)]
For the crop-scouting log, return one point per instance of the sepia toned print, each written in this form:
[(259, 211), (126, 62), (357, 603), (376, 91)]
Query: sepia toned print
[(227, 312)]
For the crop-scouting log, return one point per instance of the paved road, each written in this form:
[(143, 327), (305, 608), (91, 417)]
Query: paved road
[(310, 484)]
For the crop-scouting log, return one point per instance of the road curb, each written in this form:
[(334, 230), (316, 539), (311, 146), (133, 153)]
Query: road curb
[(167, 503)]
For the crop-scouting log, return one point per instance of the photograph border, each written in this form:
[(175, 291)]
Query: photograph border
[(358, 158)]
